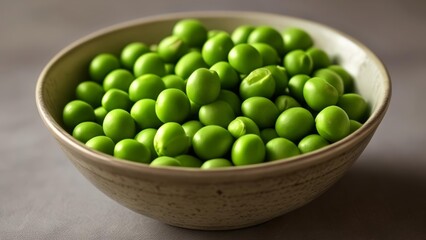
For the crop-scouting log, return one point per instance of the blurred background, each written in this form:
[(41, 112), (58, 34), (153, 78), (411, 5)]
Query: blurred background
[(42, 196)]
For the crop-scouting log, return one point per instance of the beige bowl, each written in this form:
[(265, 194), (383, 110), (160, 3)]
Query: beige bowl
[(212, 199)]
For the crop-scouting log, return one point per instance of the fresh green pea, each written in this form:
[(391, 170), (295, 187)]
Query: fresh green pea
[(190, 62), (216, 49), (261, 110), (191, 127), (171, 140), (115, 98), (281, 79), (295, 86), (319, 94), (149, 63), (119, 124), (203, 86), (216, 163), (280, 148), (268, 35), (332, 123), (101, 65), (90, 92), (212, 141), (268, 134), (186, 160), (311, 143), (146, 137), (216, 113), (241, 126), (214, 32), (259, 82), (146, 86), (172, 106), (171, 48), (248, 149), (268, 53), (119, 78), (132, 150), (170, 68), (100, 114), (244, 58), (319, 57), (354, 105), (285, 102), (131, 52), (241, 34), (174, 81), (348, 80), (331, 77), (102, 144), (165, 161), (298, 62), (76, 112), (229, 78), (143, 112), (354, 125), (232, 99), (295, 123), (86, 130), (296, 38), (191, 31)]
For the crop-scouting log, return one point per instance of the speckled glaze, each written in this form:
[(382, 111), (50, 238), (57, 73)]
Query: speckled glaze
[(223, 198)]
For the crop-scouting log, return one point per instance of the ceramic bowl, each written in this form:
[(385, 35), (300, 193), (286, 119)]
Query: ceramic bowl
[(212, 199)]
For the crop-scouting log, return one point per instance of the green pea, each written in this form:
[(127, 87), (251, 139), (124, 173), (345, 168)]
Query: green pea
[(259, 82), (331, 77), (280, 148), (116, 99), (86, 130), (295, 86), (244, 58), (90, 92), (171, 140), (119, 124), (268, 53), (241, 34), (241, 126), (190, 62), (348, 80), (170, 68), (146, 86), (203, 86), (102, 144), (101, 65), (216, 49), (132, 150), (76, 112), (248, 149), (281, 79), (229, 78), (261, 110), (212, 141), (332, 123), (174, 81), (165, 161), (172, 106), (216, 163), (149, 63), (191, 127), (195, 108), (100, 114), (119, 78), (285, 102), (268, 134), (189, 161), (319, 57), (131, 52), (311, 143), (214, 32), (216, 113), (295, 123), (298, 62), (143, 112), (354, 105), (191, 31), (319, 94), (232, 99), (268, 35), (296, 38), (146, 137), (354, 125), (171, 48)]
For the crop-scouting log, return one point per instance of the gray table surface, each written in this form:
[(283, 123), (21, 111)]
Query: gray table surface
[(42, 196)]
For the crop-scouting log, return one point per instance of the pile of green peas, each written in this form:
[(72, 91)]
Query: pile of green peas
[(209, 99)]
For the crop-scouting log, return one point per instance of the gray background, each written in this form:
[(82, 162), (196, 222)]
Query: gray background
[(42, 196)]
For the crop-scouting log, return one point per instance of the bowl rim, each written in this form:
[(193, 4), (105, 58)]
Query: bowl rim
[(263, 170)]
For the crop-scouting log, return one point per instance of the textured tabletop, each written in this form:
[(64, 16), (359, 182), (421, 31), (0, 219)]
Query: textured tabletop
[(43, 196)]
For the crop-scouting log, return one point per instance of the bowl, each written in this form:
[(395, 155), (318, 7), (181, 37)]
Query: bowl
[(227, 198)]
